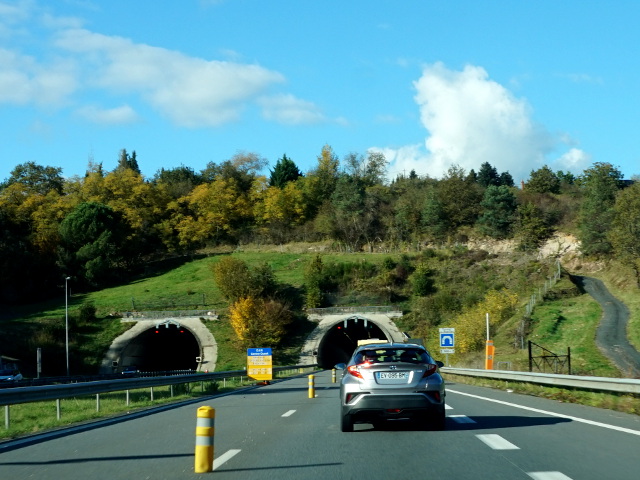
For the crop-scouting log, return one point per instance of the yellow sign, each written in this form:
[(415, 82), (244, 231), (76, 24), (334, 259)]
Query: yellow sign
[(259, 363)]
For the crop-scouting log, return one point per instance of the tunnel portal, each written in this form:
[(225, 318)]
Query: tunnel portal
[(341, 340), (165, 347)]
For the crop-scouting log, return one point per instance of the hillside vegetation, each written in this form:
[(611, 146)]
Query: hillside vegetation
[(459, 280)]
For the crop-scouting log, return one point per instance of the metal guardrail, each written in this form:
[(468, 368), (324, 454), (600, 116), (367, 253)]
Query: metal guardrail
[(604, 384), (14, 396)]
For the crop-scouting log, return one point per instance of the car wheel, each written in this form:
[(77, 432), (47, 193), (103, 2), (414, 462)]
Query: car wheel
[(346, 423)]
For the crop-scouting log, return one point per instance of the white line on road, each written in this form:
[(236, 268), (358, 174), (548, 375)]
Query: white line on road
[(224, 457), (548, 476), (497, 442), (447, 407), (553, 414), (461, 419), (289, 413)]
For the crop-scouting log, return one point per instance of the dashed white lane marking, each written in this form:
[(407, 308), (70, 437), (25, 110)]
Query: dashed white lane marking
[(447, 407), (548, 476), (289, 413), (461, 419), (553, 414), (497, 442), (224, 457)]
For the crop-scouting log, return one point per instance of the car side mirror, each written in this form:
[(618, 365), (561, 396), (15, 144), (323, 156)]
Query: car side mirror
[(340, 366), (439, 363)]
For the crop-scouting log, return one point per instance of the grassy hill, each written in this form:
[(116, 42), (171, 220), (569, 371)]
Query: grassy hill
[(567, 317)]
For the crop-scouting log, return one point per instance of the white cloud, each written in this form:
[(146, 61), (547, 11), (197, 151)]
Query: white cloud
[(471, 119), (289, 110), (190, 91), (114, 116), (575, 160), (24, 81)]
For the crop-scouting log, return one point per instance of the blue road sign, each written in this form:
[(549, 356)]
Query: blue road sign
[(447, 340)]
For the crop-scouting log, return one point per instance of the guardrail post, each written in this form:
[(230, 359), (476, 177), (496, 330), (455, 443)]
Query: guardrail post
[(6, 417), (58, 414), (333, 376), (312, 389), (205, 430), (97, 402)]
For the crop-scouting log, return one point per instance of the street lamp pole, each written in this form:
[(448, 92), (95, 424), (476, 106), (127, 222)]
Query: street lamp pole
[(66, 321)]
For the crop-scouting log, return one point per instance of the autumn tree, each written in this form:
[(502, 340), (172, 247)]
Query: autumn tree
[(236, 279), (531, 226), (259, 322)]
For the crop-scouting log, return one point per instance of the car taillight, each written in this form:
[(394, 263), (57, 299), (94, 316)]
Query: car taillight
[(353, 370), (431, 369)]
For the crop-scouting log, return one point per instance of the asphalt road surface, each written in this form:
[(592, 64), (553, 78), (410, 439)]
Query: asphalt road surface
[(611, 336), (276, 431)]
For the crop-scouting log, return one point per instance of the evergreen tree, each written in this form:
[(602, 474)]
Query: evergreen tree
[(499, 207), (599, 185), (488, 175), (543, 180), (285, 171)]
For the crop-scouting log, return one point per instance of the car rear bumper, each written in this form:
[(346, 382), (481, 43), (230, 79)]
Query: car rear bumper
[(370, 406)]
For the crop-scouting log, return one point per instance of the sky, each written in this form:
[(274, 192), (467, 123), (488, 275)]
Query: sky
[(431, 84)]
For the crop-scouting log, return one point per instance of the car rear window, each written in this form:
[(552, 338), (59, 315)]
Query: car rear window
[(384, 355)]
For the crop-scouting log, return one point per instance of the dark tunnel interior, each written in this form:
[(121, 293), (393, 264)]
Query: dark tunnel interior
[(164, 348), (342, 339)]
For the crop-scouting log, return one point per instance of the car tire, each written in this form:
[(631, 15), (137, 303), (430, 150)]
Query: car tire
[(346, 423)]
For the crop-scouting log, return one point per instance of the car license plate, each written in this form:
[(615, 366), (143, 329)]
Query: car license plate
[(393, 375)]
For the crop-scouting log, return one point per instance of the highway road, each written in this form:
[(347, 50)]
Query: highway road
[(276, 431)]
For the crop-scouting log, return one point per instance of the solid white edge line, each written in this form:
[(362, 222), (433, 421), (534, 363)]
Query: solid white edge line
[(553, 414), (497, 442), (217, 462), (289, 413), (447, 407), (548, 476)]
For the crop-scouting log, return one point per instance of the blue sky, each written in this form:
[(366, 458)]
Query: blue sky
[(431, 84)]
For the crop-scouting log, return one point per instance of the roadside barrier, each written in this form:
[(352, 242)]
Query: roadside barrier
[(205, 430), (333, 376)]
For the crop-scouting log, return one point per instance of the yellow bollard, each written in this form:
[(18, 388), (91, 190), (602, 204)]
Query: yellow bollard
[(312, 389), (205, 429), (333, 376)]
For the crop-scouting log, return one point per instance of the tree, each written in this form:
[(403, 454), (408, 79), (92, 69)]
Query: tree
[(624, 234), (236, 280), (599, 185), (177, 182), (488, 175), (126, 161), (34, 178), (422, 281), (93, 244), (543, 180), (313, 281), (459, 198), (284, 172), (243, 168), (532, 228), (370, 171), (259, 322), (499, 207)]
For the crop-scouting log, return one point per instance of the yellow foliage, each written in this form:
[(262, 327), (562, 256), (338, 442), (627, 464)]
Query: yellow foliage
[(470, 325), (259, 322)]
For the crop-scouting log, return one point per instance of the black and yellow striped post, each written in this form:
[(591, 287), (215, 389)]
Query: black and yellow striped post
[(312, 388), (205, 429)]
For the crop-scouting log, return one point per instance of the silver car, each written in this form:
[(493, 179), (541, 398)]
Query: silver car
[(386, 381)]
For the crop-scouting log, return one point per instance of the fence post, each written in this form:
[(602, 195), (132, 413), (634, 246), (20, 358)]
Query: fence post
[(205, 430), (6, 417)]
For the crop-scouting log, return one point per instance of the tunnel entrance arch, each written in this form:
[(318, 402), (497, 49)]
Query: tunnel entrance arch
[(163, 344), (339, 329)]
